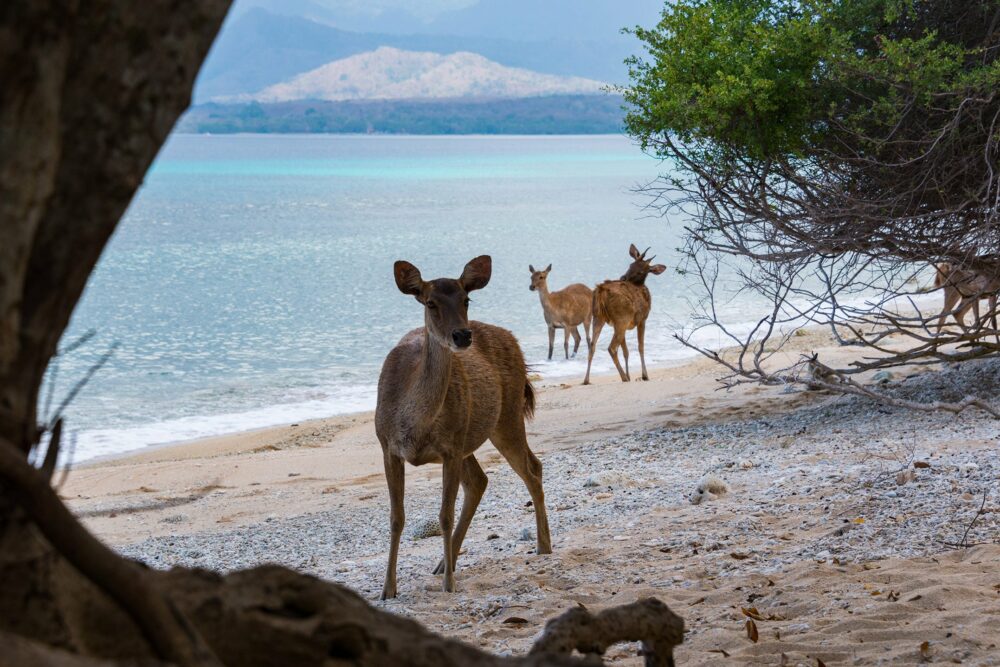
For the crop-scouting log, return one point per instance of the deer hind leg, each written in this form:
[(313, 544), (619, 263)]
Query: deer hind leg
[(512, 443), (552, 340), (951, 298), (967, 304), (586, 327), (566, 335), (576, 340), (592, 345), (395, 477), (618, 340), (640, 333), (450, 478), (474, 482)]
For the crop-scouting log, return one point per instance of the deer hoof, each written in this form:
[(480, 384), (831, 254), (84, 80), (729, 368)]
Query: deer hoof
[(388, 592), (449, 583)]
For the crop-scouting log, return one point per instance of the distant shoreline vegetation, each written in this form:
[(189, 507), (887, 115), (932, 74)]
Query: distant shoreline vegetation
[(555, 114)]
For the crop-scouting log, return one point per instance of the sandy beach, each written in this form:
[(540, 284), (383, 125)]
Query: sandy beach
[(836, 538)]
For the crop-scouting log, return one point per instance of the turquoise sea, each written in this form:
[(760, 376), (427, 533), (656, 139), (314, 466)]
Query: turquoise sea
[(250, 283)]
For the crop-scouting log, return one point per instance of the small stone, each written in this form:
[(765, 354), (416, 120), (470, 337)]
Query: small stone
[(526, 535), (621, 538), (603, 496), (590, 483), (746, 464), (492, 536), (921, 464), (425, 528), (882, 377)]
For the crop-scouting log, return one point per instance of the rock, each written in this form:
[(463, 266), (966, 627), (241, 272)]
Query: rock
[(527, 535), (966, 468), (590, 483), (746, 464), (882, 377), (921, 464), (905, 476), (425, 528)]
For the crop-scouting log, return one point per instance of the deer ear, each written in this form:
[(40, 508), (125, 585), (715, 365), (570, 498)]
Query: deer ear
[(531, 268), (408, 278), (657, 269), (632, 250), (476, 274), (548, 268)]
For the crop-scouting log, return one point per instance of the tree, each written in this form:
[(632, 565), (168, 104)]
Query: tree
[(89, 93), (826, 153)]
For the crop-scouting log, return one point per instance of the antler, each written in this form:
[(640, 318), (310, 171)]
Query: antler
[(643, 255)]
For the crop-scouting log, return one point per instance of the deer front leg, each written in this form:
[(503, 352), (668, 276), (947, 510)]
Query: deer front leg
[(395, 477), (566, 334), (552, 340), (450, 479), (474, 482), (576, 340), (640, 333)]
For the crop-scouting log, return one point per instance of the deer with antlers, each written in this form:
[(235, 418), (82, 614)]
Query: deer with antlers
[(963, 290), (625, 303), (564, 309), (444, 390)]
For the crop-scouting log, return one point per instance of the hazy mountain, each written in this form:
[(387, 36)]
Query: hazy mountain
[(257, 48), (388, 73)]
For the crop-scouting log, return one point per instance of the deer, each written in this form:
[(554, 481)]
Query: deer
[(564, 309), (963, 290), (445, 389), (625, 303)]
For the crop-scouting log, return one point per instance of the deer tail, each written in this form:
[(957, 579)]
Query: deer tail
[(529, 399)]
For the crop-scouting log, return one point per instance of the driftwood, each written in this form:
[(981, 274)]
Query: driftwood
[(648, 621)]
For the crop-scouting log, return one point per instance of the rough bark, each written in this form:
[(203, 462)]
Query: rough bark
[(89, 93)]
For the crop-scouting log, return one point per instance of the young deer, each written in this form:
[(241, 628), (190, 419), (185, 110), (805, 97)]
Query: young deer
[(444, 389), (625, 303), (965, 288), (567, 308)]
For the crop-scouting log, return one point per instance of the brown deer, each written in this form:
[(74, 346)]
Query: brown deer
[(565, 309), (444, 390), (963, 290), (625, 303)]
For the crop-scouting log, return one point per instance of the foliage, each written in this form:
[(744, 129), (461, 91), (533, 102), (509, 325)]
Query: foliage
[(834, 149), (559, 114)]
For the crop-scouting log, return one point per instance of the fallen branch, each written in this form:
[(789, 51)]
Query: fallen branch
[(648, 620)]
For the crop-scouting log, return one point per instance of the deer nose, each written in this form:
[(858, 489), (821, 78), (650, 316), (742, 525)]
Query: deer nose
[(462, 337)]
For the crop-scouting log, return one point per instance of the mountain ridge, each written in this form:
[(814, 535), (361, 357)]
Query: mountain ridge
[(392, 73)]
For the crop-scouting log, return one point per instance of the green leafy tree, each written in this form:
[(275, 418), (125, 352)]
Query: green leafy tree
[(836, 148)]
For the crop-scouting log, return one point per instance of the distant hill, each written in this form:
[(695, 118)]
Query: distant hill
[(389, 73), (258, 48), (559, 114)]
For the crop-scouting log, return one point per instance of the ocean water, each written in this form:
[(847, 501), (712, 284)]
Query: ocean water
[(250, 283)]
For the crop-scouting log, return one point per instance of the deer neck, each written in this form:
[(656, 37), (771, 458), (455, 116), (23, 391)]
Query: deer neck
[(544, 297), (433, 376)]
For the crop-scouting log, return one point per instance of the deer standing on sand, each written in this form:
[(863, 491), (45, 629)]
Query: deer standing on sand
[(963, 290), (567, 308), (625, 303), (444, 390)]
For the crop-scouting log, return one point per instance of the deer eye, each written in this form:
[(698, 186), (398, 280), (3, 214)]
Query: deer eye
[(432, 305), (467, 302)]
